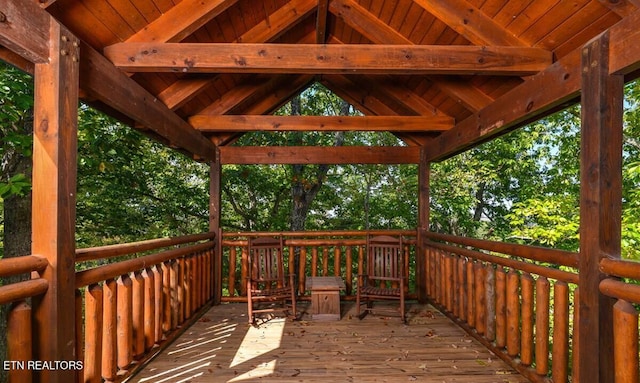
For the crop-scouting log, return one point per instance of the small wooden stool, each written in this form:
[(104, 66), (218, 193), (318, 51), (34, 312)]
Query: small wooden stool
[(325, 297)]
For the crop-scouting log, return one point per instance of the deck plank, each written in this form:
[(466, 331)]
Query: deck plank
[(222, 347)]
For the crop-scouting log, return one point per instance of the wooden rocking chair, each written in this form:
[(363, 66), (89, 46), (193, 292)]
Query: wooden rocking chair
[(267, 285), (385, 277)]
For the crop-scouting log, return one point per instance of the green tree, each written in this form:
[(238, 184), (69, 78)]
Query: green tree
[(16, 127)]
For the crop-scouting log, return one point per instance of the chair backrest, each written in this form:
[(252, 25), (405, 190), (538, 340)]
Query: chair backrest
[(266, 262), (385, 258)]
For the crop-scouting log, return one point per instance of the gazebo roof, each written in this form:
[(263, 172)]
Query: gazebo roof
[(444, 70)]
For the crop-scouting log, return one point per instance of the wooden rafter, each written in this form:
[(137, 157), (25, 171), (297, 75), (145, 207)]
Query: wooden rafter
[(321, 21), (106, 83), (234, 101), (249, 123), (369, 103), (316, 59), (379, 32), (182, 20), (354, 94), (278, 23), (246, 155), (274, 94), (459, 89), (287, 86), (470, 22)]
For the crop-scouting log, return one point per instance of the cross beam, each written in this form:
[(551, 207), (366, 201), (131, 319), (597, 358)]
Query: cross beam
[(326, 59), (330, 155), (250, 123)]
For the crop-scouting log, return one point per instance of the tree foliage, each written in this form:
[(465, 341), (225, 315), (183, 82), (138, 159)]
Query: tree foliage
[(132, 188), (334, 197)]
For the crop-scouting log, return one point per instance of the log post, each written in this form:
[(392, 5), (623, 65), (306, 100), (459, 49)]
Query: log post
[(424, 173), (215, 178), (54, 190), (600, 205)]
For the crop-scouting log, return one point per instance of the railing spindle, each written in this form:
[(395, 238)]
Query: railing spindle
[(314, 261), (625, 337), (542, 325), (150, 308), (158, 286), (560, 350), (501, 308), (109, 326), (166, 297), (490, 293), (471, 302), (93, 334), (19, 340), (138, 314), (349, 271), (480, 298), (232, 271), (124, 322), (526, 353), (513, 313)]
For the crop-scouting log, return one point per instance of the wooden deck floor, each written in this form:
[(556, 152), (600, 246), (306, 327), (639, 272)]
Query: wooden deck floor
[(222, 347)]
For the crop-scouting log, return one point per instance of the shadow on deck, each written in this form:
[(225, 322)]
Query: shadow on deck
[(222, 347)]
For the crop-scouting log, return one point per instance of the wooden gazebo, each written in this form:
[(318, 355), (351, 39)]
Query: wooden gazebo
[(441, 75)]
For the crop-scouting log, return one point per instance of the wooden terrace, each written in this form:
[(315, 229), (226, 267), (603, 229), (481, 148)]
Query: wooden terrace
[(221, 347), (442, 76)]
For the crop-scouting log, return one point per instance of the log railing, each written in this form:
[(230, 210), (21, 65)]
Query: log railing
[(19, 330), (623, 285), (125, 309), (314, 253), (517, 300)]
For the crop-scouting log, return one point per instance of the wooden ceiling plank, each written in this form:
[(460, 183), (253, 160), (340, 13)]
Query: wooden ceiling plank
[(110, 17), (366, 23), (337, 155), (250, 123), (315, 59), (108, 84), (24, 29), (470, 22), (129, 13), (282, 20), (182, 20), (290, 14), (321, 21), (531, 15)]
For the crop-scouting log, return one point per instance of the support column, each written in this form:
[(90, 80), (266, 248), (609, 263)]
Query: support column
[(215, 177), (424, 175), (54, 200), (600, 206)]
